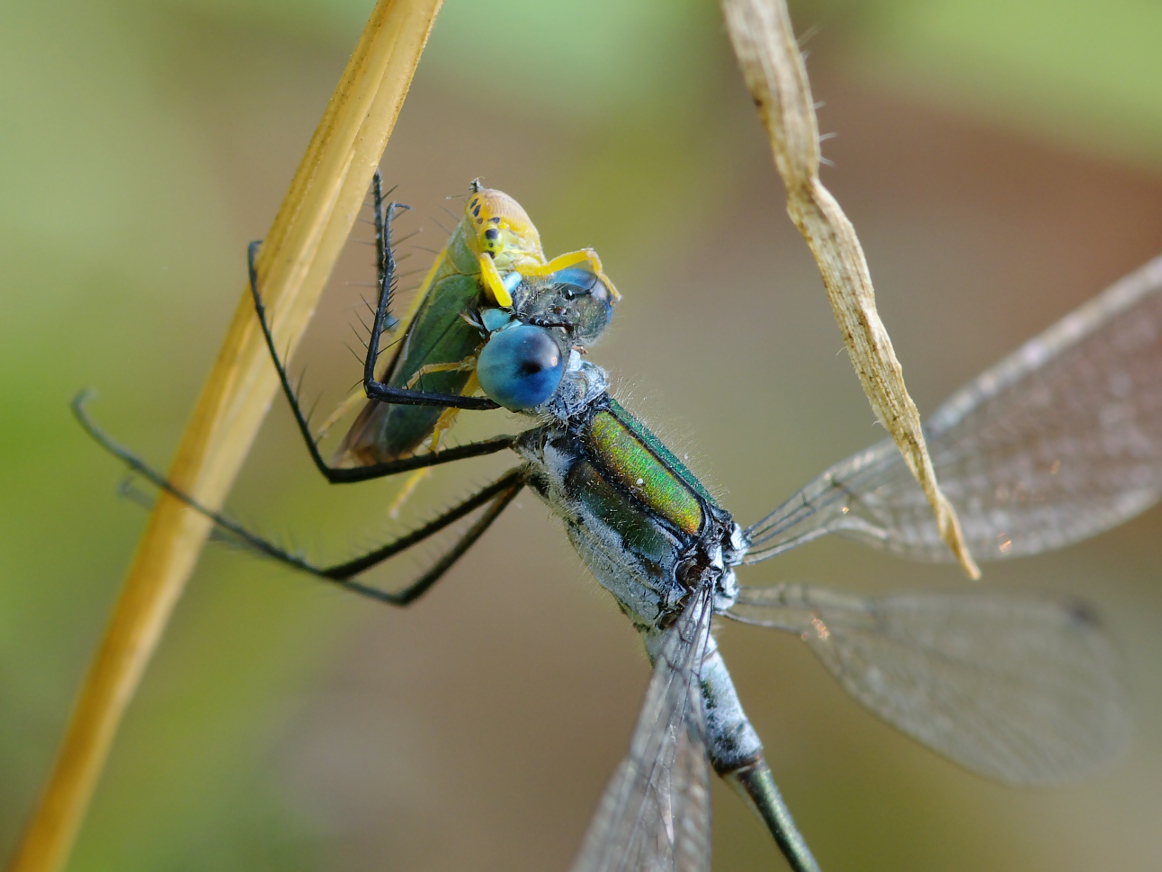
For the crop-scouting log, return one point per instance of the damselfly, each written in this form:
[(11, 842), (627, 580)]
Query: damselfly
[(1059, 441)]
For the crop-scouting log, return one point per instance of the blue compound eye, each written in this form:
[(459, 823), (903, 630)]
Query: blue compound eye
[(520, 367)]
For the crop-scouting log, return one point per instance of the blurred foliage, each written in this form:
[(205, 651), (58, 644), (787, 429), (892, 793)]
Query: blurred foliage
[(285, 727), (1081, 74)]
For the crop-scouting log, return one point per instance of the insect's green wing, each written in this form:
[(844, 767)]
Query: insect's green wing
[(437, 335)]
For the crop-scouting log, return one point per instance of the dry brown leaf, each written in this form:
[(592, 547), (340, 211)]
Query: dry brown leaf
[(773, 68)]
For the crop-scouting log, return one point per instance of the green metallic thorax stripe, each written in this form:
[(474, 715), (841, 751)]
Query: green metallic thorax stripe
[(640, 534), (657, 447), (637, 461)]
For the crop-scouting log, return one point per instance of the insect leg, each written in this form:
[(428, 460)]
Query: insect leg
[(384, 263), (375, 389), (468, 364), (337, 475), (572, 258), (494, 498)]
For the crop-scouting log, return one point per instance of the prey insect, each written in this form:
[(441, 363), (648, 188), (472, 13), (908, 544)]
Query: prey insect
[(491, 253), (1058, 442)]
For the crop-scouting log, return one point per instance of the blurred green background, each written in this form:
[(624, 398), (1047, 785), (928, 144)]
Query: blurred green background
[(1002, 163)]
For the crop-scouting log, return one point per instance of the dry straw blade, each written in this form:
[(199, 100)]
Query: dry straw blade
[(297, 257), (773, 68)]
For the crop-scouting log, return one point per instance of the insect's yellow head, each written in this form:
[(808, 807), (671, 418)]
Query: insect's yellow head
[(501, 228)]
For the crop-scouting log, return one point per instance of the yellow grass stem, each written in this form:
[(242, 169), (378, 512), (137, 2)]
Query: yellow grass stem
[(773, 68), (295, 261)]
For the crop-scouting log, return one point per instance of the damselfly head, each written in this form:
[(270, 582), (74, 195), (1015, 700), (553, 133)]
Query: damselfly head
[(576, 299), (521, 365)]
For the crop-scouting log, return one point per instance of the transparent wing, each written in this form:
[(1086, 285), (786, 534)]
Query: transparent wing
[(1059, 441), (1021, 689), (655, 813)]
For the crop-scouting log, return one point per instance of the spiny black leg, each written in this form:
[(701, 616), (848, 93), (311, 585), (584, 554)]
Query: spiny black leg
[(384, 262), (377, 390), (147, 501), (337, 475), (496, 497), (386, 276)]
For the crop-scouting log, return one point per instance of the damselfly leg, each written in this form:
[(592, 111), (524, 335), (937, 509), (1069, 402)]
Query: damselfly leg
[(492, 499), (374, 389)]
